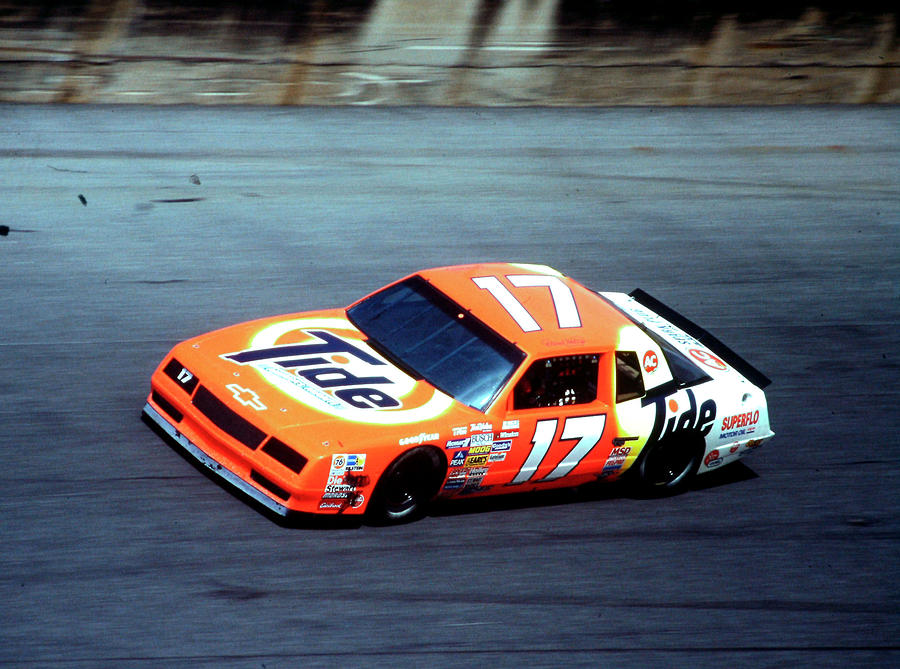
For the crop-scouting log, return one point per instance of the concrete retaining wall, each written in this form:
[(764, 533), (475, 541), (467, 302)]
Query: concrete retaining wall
[(445, 52)]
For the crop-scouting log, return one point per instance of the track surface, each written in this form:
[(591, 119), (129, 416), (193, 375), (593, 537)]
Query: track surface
[(775, 229)]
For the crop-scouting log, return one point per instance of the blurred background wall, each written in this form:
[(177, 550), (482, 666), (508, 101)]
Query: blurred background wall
[(448, 52)]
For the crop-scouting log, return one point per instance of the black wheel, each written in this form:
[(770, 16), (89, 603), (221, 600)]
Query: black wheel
[(667, 467), (406, 487)]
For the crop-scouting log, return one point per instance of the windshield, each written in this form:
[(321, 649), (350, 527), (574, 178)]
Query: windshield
[(426, 332)]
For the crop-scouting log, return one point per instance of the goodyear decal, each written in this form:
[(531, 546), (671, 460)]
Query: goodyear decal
[(337, 375)]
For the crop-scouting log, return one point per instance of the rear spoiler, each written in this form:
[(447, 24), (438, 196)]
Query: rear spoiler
[(743, 367)]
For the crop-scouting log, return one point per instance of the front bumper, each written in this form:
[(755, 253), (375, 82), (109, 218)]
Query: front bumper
[(210, 463)]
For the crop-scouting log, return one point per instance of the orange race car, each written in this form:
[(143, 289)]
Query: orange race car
[(460, 381)]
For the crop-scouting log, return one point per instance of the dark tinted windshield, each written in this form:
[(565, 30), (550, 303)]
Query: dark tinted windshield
[(434, 338)]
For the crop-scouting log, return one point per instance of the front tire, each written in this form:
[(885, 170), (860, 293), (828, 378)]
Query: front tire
[(407, 486), (667, 467)]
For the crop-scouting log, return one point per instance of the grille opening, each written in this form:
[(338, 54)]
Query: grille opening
[(273, 488), (166, 406), (227, 420), (284, 454), (180, 375)]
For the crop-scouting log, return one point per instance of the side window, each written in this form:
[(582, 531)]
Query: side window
[(570, 379), (629, 382)]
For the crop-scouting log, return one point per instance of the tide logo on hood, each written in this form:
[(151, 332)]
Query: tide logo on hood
[(335, 375), (327, 373)]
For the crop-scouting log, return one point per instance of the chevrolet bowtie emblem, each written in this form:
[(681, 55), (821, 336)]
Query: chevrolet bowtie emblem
[(246, 396)]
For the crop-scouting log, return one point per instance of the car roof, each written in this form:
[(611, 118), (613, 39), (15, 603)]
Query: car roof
[(593, 329)]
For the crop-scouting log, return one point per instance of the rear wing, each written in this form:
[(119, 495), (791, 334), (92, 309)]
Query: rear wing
[(740, 365)]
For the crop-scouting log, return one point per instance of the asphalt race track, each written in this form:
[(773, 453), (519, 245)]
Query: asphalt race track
[(131, 228)]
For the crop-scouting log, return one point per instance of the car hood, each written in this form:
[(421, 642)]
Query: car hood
[(314, 372)]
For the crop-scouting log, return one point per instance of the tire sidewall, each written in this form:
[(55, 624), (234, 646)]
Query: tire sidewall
[(660, 450), (420, 472)]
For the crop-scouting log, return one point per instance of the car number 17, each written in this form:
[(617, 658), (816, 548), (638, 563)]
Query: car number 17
[(587, 430), (563, 301)]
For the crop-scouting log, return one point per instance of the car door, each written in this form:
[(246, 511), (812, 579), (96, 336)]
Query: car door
[(556, 430)]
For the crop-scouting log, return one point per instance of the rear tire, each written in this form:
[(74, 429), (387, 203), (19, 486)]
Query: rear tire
[(667, 467), (407, 486)]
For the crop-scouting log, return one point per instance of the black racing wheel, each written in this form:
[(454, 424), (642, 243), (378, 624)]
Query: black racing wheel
[(667, 467), (407, 486)]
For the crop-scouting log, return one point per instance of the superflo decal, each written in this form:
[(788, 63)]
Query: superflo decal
[(336, 375), (739, 424)]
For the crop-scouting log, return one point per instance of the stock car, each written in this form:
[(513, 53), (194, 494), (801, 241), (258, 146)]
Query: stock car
[(461, 381)]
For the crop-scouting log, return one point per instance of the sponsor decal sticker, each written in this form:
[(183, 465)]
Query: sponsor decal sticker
[(659, 323), (457, 443), (739, 425), (501, 445), (482, 439), (740, 420), (337, 375), (694, 420), (343, 483), (510, 425), (481, 427), (673, 422), (355, 463), (616, 460), (420, 438), (465, 479), (476, 460), (713, 459), (459, 459), (460, 431), (349, 462), (651, 362), (708, 359)]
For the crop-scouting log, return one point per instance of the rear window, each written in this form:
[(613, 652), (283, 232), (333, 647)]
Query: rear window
[(685, 372)]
